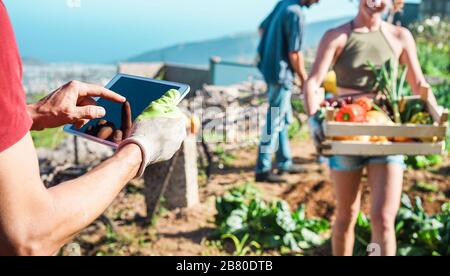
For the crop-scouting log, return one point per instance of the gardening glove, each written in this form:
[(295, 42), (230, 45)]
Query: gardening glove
[(316, 128), (159, 131)]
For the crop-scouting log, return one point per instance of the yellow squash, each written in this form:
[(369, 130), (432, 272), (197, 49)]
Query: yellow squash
[(377, 117)]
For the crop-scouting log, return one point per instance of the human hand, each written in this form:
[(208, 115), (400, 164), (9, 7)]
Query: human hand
[(106, 130), (159, 131), (317, 133), (70, 104)]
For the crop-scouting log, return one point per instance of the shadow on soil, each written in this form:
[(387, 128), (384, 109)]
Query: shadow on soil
[(196, 236)]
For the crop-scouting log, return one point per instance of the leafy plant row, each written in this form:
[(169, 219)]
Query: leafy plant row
[(244, 216), (252, 223)]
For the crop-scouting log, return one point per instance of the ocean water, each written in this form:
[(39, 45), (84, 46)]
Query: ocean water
[(103, 31)]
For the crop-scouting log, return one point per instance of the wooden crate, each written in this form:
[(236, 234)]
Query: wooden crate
[(439, 130)]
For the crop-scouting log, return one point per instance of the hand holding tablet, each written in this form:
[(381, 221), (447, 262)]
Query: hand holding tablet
[(116, 125), (105, 130), (70, 104), (159, 130)]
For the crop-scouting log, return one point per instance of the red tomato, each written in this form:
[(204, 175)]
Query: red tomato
[(351, 113), (365, 103)]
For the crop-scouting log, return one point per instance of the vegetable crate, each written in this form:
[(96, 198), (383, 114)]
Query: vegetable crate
[(433, 135)]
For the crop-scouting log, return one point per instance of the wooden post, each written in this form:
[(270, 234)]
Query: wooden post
[(157, 178), (439, 116), (176, 180)]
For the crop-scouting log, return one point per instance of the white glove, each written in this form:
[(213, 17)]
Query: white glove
[(159, 131)]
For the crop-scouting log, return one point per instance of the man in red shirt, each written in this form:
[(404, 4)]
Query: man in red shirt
[(38, 221)]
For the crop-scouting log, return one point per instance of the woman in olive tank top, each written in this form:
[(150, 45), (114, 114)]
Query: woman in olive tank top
[(347, 49)]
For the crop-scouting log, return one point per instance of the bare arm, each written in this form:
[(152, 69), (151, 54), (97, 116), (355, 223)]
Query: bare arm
[(298, 63), (415, 77), (325, 55), (37, 221)]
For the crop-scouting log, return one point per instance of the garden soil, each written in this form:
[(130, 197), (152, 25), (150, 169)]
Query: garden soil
[(187, 231)]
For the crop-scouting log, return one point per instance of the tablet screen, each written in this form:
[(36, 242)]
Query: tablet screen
[(115, 126)]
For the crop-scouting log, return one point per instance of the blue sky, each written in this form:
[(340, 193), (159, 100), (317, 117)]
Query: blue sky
[(108, 30)]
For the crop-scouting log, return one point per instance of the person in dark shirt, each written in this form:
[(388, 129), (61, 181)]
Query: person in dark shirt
[(280, 62)]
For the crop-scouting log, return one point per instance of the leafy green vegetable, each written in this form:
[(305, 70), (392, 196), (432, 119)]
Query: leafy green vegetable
[(412, 107), (423, 162), (242, 212), (426, 187)]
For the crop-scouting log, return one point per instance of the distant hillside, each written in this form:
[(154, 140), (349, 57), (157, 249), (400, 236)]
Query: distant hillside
[(238, 48), (241, 48)]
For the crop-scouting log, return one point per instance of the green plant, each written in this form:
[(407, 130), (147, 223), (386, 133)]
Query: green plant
[(160, 212), (442, 92), (212, 248), (432, 36), (35, 97), (224, 158), (294, 129), (161, 75), (418, 233), (426, 187), (48, 138), (362, 235), (298, 106), (242, 247), (111, 236), (434, 61), (390, 86), (213, 137), (271, 225), (423, 162)]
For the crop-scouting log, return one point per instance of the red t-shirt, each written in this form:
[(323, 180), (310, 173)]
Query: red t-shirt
[(14, 119)]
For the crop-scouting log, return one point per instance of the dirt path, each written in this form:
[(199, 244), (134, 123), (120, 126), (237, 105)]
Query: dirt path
[(186, 232)]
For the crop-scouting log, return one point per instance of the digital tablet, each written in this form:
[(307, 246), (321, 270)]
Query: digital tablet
[(115, 126)]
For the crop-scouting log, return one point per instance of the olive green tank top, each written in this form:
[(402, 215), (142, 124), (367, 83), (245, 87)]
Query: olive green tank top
[(352, 70)]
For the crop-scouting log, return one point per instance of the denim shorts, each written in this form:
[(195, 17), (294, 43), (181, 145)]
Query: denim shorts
[(354, 163)]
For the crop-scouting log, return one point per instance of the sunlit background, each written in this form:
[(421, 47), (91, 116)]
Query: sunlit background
[(211, 45), (103, 31)]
